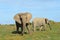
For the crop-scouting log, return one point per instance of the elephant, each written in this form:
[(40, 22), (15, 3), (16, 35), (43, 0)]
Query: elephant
[(23, 20), (41, 22)]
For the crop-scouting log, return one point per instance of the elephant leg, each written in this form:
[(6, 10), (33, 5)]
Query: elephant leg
[(23, 28), (41, 27), (17, 26), (34, 27), (44, 27), (28, 27)]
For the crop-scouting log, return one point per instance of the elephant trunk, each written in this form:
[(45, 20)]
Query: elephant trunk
[(23, 26)]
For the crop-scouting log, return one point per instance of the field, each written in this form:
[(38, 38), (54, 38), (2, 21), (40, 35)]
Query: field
[(6, 33)]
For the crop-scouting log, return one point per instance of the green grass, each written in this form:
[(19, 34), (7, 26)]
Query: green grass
[(54, 34)]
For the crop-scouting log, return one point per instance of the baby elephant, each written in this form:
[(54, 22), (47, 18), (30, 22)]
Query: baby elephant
[(41, 22)]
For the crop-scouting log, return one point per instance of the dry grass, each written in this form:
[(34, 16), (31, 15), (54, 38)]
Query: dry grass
[(54, 34)]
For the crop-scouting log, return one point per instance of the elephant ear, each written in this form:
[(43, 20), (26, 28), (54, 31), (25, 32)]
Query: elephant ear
[(17, 18), (46, 20)]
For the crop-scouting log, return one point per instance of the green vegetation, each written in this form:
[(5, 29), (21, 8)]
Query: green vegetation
[(54, 34)]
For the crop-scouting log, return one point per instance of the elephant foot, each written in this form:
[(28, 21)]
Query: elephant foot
[(34, 31), (21, 34), (30, 33), (43, 30), (17, 31)]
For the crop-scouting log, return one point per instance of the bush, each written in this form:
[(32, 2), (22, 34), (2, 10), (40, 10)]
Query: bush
[(11, 24)]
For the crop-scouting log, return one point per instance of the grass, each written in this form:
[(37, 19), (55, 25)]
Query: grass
[(54, 34)]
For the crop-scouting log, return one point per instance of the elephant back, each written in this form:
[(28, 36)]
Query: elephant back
[(39, 20)]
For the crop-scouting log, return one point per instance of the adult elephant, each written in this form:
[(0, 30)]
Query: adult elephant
[(41, 22), (23, 20)]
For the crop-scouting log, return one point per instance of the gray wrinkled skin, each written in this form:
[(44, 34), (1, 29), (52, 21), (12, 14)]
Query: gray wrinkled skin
[(41, 22), (23, 20)]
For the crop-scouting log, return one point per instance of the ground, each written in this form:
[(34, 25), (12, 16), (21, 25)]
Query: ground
[(6, 33)]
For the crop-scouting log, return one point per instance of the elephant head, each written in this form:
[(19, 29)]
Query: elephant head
[(47, 22), (28, 17), (23, 19)]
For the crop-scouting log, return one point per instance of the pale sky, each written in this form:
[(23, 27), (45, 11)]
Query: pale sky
[(38, 8)]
